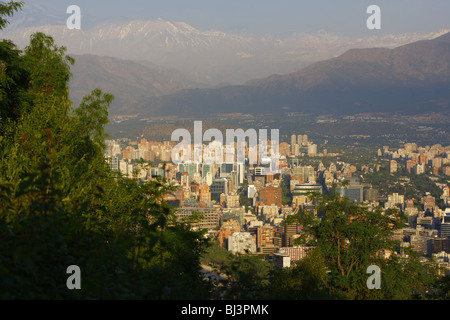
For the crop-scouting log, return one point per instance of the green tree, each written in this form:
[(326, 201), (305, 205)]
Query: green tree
[(7, 10), (350, 238), (248, 277), (60, 204), (305, 280)]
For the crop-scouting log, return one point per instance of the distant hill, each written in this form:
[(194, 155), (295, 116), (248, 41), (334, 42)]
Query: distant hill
[(128, 81), (410, 79)]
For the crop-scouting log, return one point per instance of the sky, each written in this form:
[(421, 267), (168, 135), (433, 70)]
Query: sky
[(264, 17)]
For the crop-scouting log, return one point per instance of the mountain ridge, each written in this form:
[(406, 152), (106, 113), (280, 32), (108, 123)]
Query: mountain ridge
[(212, 55), (127, 80), (405, 79)]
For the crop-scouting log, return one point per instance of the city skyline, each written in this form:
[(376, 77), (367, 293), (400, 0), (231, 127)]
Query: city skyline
[(160, 159)]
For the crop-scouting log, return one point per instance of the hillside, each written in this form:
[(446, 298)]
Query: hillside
[(409, 79), (129, 81)]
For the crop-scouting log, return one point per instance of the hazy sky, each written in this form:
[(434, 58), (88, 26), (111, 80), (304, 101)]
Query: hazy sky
[(281, 17)]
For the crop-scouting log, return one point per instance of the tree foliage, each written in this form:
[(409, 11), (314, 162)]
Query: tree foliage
[(350, 238), (7, 10), (61, 205)]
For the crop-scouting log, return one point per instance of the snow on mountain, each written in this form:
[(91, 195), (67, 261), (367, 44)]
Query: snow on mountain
[(215, 56)]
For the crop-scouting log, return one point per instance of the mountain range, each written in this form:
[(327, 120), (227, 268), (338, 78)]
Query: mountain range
[(171, 68), (409, 79), (212, 56)]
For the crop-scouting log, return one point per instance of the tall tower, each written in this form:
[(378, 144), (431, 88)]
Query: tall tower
[(293, 143), (305, 139), (445, 226)]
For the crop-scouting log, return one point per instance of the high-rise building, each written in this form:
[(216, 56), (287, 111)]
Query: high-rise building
[(232, 200), (251, 191), (304, 189), (226, 229), (353, 191), (305, 139), (393, 200), (305, 173), (236, 214), (419, 168), (446, 170), (312, 149), (429, 203), (393, 166), (293, 143), (271, 195), (288, 231), (114, 163), (370, 195), (205, 195), (410, 165), (441, 244), (263, 235), (445, 226), (190, 168), (218, 186), (296, 150)]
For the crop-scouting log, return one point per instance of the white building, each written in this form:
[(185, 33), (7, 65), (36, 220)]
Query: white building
[(241, 242)]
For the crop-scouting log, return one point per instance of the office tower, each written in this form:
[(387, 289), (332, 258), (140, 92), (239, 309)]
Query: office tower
[(296, 150), (419, 169), (293, 143), (190, 168), (306, 188), (288, 232), (305, 173), (312, 149), (446, 171), (410, 166), (353, 191), (371, 195), (218, 186), (205, 169), (239, 169), (445, 226), (232, 201), (271, 195), (441, 244), (305, 139), (393, 200), (114, 163), (185, 180), (393, 166), (251, 191), (299, 139), (157, 172), (205, 194), (429, 203)]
